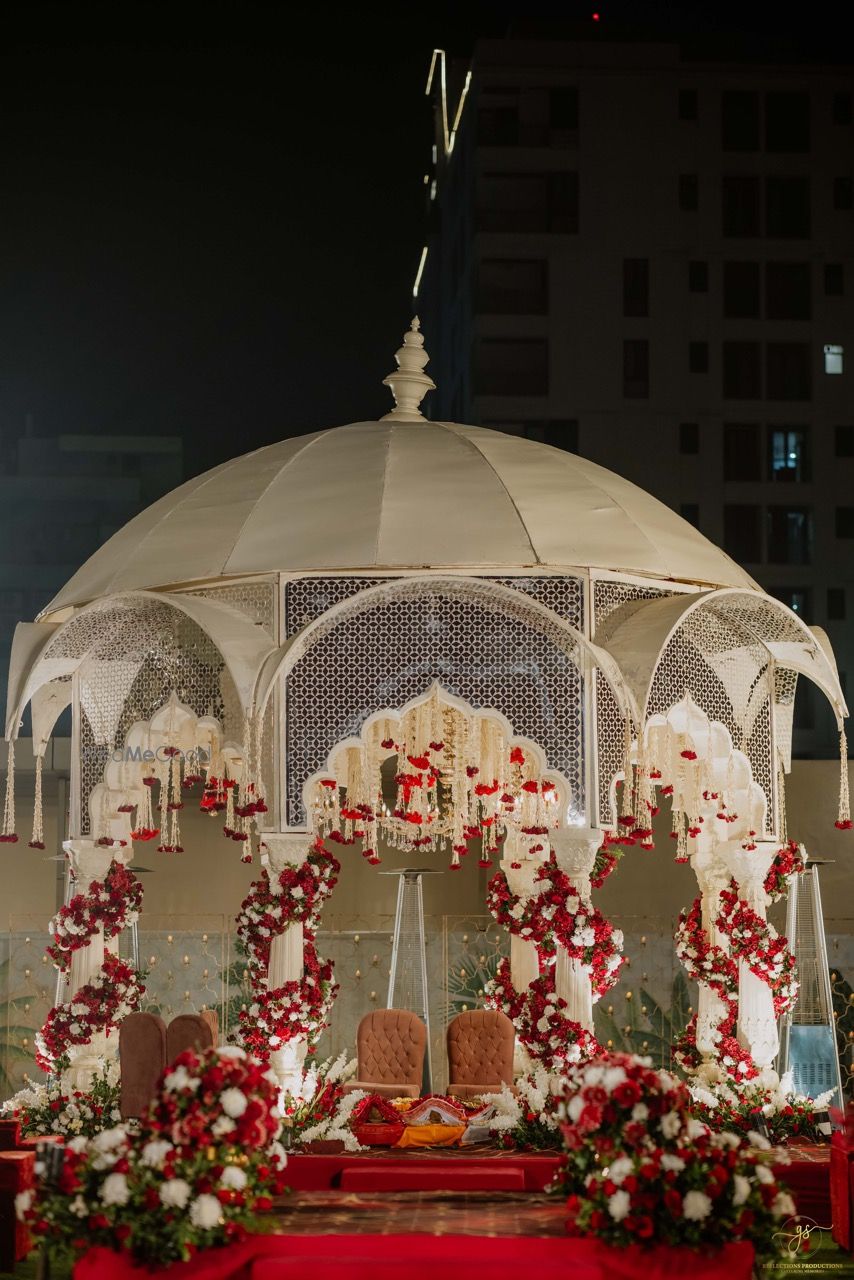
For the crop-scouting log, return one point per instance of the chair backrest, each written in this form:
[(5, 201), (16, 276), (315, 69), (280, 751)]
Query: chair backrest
[(480, 1048), (211, 1017), (187, 1031), (390, 1045), (142, 1058)]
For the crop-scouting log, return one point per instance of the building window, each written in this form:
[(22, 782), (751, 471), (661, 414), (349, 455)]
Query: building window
[(689, 192), (690, 511), (511, 367), (498, 126), (687, 104), (741, 290), (833, 355), (845, 522), (787, 121), (834, 279), (698, 357), (740, 120), (843, 441), (787, 208), (512, 286), (788, 449), (835, 604), (788, 375), (635, 286), (742, 532), (563, 113), (742, 451), (698, 277), (843, 193), (742, 371), (689, 437), (528, 202), (560, 433), (636, 369), (842, 108), (787, 291), (789, 535), (740, 205), (796, 598)]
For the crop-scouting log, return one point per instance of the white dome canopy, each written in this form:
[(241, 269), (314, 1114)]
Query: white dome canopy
[(400, 495)]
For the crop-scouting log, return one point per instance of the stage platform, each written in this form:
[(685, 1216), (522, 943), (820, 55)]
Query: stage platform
[(445, 1169)]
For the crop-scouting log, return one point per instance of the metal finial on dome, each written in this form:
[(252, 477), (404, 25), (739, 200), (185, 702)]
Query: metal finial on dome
[(409, 383)]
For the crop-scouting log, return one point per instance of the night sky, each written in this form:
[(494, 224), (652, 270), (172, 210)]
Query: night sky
[(210, 219)]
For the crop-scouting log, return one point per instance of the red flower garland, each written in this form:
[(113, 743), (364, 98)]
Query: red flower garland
[(113, 904), (540, 1020), (787, 862), (296, 1009), (99, 1005), (759, 945), (303, 891)]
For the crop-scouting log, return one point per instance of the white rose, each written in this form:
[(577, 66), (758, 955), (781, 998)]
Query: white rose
[(180, 1078), (222, 1127), (154, 1153), (23, 1201), (78, 1145), (115, 1189), (109, 1139), (205, 1212), (575, 1107), (79, 1207), (764, 1174), (233, 1102), (670, 1124), (620, 1169), (614, 1076), (758, 1140), (233, 1177), (619, 1205), (175, 1193), (640, 1112), (783, 1206), (741, 1189), (696, 1206), (231, 1051), (673, 1164)]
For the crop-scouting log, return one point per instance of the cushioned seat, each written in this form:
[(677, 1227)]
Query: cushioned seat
[(390, 1045), (480, 1053)]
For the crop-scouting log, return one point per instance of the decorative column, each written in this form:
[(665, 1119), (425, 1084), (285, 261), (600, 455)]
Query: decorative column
[(283, 849), (524, 957), (757, 1020), (712, 876), (90, 861), (575, 850)]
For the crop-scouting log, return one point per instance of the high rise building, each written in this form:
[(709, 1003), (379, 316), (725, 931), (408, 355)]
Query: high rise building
[(648, 259)]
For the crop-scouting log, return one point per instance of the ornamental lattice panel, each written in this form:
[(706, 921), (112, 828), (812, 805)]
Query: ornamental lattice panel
[(489, 653)]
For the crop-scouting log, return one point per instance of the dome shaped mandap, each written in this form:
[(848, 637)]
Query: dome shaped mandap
[(537, 651)]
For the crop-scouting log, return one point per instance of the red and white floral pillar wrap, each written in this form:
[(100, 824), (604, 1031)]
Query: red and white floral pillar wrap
[(757, 1019), (712, 875), (524, 956), (575, 850), (283, 849), (91, 861)]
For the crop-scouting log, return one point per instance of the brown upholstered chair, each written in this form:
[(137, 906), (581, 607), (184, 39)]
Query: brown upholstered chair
[(390, 1045), (142, 1057), (480, 1053), (187, 1031), (211, 1017)]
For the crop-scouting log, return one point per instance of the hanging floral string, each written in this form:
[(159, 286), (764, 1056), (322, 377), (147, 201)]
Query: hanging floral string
[(37, 839), (8, 834), (843, 821)]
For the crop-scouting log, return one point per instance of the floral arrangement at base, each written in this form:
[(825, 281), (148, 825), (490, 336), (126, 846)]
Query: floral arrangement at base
[(641, 1169), (527, 1119), (44, 1109), (768, 1102), (320, 1110), (204, 1162)]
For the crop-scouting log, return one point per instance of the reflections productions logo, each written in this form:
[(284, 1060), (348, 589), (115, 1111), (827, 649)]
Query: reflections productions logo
[(806, 1248)]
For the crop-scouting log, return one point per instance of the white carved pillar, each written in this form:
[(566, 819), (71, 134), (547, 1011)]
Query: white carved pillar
[(757, 1021), (575, 850), (283, 849), (89, 862), (712, 876)]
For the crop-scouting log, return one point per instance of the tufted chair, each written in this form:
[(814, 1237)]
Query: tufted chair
[(390, 1045), (142, 1057), (480, 1053), (188, 1031)]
